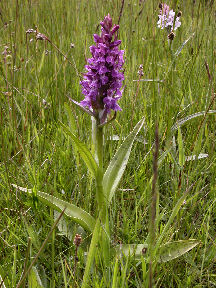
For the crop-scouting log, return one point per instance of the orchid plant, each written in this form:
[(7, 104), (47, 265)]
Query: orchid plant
[(169, 20), (102, 88)]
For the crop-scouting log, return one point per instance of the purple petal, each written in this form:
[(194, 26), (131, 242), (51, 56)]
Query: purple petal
[(115, 28), (97, 38)]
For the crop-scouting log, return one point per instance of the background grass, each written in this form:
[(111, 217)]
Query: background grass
[(35, 84)]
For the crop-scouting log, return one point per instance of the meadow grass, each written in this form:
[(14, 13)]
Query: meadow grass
[(36, 81)]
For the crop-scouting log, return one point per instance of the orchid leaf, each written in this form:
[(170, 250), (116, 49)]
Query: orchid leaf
[(136, 250), (83, 150), (166, 252), (175, 249), (77, 214), (118, 164)]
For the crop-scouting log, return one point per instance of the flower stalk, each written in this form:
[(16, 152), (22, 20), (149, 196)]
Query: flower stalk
[(97, 139)]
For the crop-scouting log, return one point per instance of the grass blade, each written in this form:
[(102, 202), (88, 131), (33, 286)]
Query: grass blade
[(91, 253), (39, 252), (182, 46), (172, 217), (34, 280), (184, 120), (181, 149)]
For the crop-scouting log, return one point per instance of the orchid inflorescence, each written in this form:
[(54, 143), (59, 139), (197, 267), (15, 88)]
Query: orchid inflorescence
[(168, 18), (103, 80)]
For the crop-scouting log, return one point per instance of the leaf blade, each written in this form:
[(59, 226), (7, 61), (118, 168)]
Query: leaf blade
[(192, 116), (83, 150), (77, 214), (175, 249), (118, 164), (166, 252)]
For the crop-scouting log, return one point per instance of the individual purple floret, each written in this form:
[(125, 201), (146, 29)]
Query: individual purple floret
[(102, 82), (167, 18)]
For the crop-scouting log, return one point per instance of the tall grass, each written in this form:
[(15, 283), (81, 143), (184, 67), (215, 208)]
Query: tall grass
[(36, 81)]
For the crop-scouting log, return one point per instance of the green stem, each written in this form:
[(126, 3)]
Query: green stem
[(53, 259), (97, 139), (99, 233)]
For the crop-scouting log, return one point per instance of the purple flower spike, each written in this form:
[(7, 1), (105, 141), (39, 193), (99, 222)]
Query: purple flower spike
[(102, 81), (167, 18)]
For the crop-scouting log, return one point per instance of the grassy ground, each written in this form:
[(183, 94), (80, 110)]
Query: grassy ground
[(35, 83)]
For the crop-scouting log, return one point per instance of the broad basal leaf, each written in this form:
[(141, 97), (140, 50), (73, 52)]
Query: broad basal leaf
[(135, 250), (165, 253), (175, 249), (83, 150), (118, 164), (77, 214)]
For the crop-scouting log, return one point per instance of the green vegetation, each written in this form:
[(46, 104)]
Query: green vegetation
[(177, 91)]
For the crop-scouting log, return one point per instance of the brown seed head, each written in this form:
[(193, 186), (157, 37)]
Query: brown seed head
[(5, 52), (179, 14), (77, 240), (140, 71), (171, 36), (41, 36), (29, 31)]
